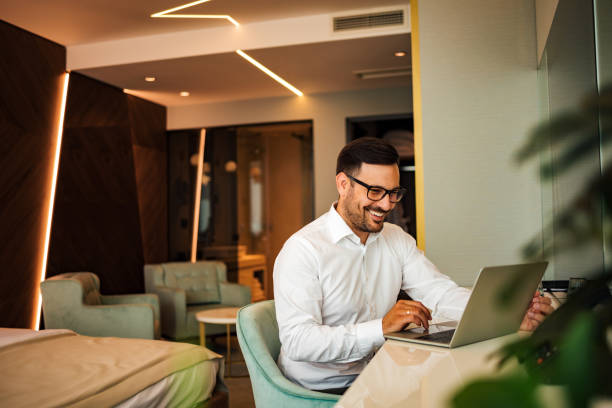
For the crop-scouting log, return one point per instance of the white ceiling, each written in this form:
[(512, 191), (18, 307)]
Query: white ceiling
[(312, 68), (324, 66), (70, 22)]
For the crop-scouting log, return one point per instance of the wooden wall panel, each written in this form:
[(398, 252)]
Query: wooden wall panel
[(148, 127), (111, 201), (148, 123), (96, 224), (31, 73)]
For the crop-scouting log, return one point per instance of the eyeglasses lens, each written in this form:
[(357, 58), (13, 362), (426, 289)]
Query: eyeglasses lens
[(376, 194)]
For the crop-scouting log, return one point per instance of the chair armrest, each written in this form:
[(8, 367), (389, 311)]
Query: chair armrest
[(234, 294), (132, 321), (143, 298), (173, 307)]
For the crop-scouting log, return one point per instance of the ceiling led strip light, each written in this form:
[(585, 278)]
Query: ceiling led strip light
[(166, 13), (270, 73)]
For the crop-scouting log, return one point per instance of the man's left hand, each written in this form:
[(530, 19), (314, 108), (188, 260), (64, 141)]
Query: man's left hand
[(539, 308)]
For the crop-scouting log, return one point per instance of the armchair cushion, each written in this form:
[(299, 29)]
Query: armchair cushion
[(199, 281), (150, 299)]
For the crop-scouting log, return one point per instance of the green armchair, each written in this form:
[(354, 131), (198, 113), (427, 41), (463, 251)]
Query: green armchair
[(73, 301), (257, 332), (186, 288)]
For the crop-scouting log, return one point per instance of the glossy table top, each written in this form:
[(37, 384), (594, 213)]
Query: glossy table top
[(405, 374)]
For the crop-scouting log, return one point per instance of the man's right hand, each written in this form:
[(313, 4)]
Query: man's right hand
[(403, 313)]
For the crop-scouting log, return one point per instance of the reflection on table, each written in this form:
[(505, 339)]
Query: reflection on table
[(407, 374)]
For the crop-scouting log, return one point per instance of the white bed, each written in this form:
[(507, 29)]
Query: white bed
[(53, 368)]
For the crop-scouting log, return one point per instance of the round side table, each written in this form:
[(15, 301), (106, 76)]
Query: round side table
[(226, 316)]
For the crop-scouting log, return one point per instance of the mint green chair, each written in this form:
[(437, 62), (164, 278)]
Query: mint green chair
[(73, 301), (186, 288), (257, 331)]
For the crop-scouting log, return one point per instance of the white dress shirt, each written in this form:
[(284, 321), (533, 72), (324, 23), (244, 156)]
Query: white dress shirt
[(331, 293)]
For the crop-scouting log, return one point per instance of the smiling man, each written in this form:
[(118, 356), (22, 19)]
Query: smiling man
[(336, 280)]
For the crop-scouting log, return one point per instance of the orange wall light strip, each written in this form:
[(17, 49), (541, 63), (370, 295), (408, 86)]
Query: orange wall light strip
[(198, 197), (166, 13), (270, 73), (58, 148)]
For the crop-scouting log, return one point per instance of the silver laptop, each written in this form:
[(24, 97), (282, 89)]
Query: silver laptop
[(497, 305)]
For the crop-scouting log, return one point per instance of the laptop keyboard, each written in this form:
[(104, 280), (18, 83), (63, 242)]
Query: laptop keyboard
[(440, 337)]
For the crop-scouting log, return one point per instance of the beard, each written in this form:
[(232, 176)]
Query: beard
[(359, 218)]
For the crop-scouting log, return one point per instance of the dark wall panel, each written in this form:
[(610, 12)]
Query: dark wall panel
[(96, 223), (148, 127), (31, 73), (111, 201)]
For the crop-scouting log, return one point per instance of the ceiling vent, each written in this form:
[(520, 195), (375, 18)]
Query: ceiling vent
[(370, 20), (383, 73)]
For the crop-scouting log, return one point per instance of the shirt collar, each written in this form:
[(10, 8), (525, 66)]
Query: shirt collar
[(339, 229)]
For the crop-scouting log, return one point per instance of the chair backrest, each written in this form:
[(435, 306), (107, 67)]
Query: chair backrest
[(82, 287), (199, 280), (257, 331), (258, 322), (66, 294)]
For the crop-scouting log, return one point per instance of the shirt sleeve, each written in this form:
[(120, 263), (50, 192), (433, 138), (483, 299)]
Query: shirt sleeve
[(425, 283), (299, 298)]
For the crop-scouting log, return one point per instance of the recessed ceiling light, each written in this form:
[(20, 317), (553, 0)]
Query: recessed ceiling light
[(165, 13), (270, 73), (400, 54), (150, 78), (184, 93)]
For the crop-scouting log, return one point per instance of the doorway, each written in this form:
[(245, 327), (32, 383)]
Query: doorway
[(399, 131), (275, 187)]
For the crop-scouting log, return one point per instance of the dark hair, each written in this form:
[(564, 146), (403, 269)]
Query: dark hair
[(365, 150)]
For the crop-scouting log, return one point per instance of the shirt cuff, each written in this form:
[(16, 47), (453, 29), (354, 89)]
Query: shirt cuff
[(370, 335)]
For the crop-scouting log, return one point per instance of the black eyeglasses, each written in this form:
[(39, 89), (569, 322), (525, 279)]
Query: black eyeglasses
[(377, 193)]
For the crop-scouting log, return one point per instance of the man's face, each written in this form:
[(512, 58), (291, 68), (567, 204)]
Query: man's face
[(362, 214)]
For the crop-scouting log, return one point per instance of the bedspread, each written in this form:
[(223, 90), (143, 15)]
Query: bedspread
[(66, 369)]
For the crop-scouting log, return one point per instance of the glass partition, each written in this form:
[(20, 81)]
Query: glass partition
[(603, 53), (568, 74), (255, 190)]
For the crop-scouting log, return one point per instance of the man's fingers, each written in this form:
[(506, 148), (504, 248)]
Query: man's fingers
[(422, 314), (533, 324), (542, 299), (542, 304), (419, 305), (405, 312), (539, 308), (543, 308), (536, 317), (415, 315)]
